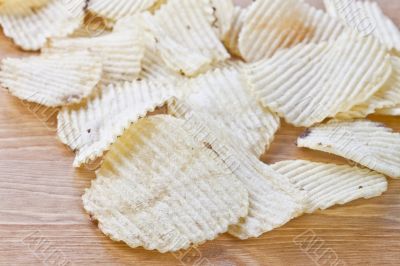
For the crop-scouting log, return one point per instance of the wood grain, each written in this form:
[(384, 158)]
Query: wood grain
[(42, 220)]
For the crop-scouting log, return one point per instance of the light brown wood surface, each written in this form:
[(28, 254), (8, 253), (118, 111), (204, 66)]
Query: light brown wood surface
[(42, 221)]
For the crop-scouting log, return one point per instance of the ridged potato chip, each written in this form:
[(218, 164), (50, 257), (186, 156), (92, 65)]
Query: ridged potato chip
[(52, 79), (121, 53), (153, 68), (272, 25), (394, 111), (223, 94), (367, 18), (161, 188), (20, 6), (311, 82), (223, 12), (185, 38), (387, 97), (231, 40), (274, 201), (91, 127), (367, 143), (114, 10), (31, 30), (328, 184)]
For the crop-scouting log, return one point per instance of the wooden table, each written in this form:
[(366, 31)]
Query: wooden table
[(42, 220)]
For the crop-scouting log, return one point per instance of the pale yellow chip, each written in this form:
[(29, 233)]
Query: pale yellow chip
[(52, 79), (367, 18), (231, 40), (91, 127), (223, 94), (273, 199), (31, 30), (114, 10), (223, 12), (20, 6), (186, 41), (368, 143), (121, 53), (393, 111), (387, 97), (153, 67), (328, 184), (311, 82), (272, 25), (163, 189)]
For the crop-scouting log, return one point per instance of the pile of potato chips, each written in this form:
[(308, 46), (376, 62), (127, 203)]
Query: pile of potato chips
[(225, 75)]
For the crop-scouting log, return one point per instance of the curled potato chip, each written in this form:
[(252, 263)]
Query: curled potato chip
[(387, 97), (367, 18), (328, 184), (223, 94), (91, 127), (311, 82), (92, 26), (393, 111), (272, 25), (273, 199), (367, 143), (52, 79), (31, 30), (162, 188), (231, 40), (182, 30), (20, 6), (121, 53), (113, 11)]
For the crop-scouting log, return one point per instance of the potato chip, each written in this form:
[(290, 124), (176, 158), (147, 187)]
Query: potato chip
[(186, 40), (367, 18), (367, 143), (223, 94), (121, 53), (153, 68), (52, 79), (388, 96), (161, 188), (272, 25), (90, 128), (232, 37), (311, 82), (328, 184), (31, 30), (223, 12), (393, 111), (20, 6), (273, 199), (113, 11)]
